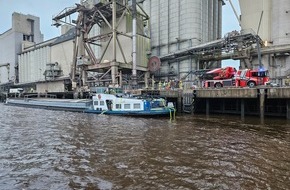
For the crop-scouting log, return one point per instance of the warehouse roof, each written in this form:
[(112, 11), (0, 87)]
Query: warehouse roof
[(69, 35)]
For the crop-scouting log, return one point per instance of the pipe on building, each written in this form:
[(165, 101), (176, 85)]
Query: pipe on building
[(134, 57), (114, 68)]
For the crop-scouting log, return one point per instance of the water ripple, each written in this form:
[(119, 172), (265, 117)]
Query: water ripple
[(42, 149)]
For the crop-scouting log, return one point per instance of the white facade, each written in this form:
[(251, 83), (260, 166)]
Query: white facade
[(25, 29), (52, 86)]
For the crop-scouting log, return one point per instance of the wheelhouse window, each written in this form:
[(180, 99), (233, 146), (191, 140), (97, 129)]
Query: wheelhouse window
[(118, 106), (126, 106), (137, 106), (96, 103), (102, 103)]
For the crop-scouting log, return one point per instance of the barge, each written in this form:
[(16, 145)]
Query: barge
[(101, 103)]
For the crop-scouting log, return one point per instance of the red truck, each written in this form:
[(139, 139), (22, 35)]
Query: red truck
[(228, 76), (219, 77), (251, 77)]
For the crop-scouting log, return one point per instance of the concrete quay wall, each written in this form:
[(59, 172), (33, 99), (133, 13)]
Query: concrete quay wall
[(227, 93), (271, 93), (283, 92), (272, 101)]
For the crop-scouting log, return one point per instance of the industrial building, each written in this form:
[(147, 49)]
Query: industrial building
[(113, 52), (270, 20), (179, 25), (25, 32), (46, 66), (114, 42), (187, 37)]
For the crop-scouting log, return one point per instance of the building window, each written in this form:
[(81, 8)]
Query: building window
[(25, 37), (28, 38)]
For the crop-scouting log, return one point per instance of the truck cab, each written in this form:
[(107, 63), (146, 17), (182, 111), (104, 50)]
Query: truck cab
[(251, 77)]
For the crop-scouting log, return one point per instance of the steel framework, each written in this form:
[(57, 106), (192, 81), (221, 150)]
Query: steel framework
[(86, 67)]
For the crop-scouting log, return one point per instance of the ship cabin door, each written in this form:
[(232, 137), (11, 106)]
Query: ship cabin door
[(109, 104)]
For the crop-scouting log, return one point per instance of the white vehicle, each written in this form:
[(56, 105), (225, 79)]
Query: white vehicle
[(15, 90)]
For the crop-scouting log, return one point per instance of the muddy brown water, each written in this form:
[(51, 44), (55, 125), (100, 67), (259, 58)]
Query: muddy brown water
[(44, 149)]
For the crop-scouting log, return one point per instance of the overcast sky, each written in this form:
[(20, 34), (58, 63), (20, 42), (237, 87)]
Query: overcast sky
[(46, 9), (230, 21)]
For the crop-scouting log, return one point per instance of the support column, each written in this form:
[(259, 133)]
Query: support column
[(114, 68), (288, 109), (179, 103), (120, 79), (84, 77), (153, 82), (114, 73), (223, 106), (207, 107), (146, 79), (262, 104), (242, 109), (134, 48)]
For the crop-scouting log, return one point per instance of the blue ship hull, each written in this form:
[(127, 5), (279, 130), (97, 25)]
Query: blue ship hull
[(164, 112)]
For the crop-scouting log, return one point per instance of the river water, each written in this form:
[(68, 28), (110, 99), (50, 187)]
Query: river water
[(44, 149)]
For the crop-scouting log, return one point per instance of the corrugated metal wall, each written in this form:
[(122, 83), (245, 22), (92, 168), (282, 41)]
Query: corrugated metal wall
[(177, 25), (32, 64)]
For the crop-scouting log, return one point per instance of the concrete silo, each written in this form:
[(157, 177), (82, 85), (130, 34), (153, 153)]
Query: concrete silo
[(256, 17), (270, 20), (177, 25), (281, 37), (280, 20)]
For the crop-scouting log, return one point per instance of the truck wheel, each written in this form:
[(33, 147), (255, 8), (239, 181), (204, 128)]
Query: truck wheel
[(218, 85), (251, 84)]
